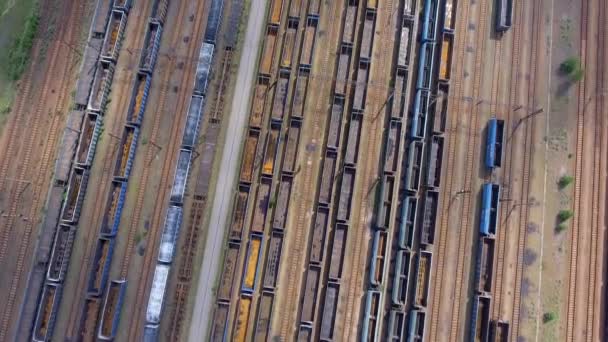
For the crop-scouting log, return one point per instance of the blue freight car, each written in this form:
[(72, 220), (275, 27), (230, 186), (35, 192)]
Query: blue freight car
[(489, 209), (494, 143), (416, 326), (504, 15)]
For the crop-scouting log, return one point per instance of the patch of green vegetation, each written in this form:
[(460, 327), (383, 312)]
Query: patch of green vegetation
[(19, 51), (572, 67), (565, 181), (561, 227), (549, 317), (564, 215)]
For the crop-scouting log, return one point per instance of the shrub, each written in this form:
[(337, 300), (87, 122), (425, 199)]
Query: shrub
[(549, 316), (570, 65), (572, 68), (564, 215), (565, 181)]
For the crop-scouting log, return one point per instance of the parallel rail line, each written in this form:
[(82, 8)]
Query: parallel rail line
[(356, 278), (170, 159), (508, 168), (75, 13), (451, 141), (108, 165), (471, 158), (528, 145)]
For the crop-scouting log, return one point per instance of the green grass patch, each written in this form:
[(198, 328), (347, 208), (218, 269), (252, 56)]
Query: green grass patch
[(549, 317), (572, 67), (565, 181), (561, 227), (19, 51), (564, 215)]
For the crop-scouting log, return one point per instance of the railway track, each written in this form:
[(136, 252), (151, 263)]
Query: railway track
[(587, 98), (471, 159), (76, 12), (507, 175), (462, 15), (108, 163), (525, 195), (355, 281), (25, 141), (186, 83)]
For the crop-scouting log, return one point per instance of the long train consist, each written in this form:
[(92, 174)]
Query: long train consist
[(173, 216), (91, 98)]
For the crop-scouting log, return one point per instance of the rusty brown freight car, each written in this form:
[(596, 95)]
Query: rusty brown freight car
[(354, 135), (338, 249), (273, 259), (262, 201), (272, 144), (249, 156), (228, 274), (335, 123), (282, 203), (293, 137), (423, 278), (392, 147), (318, 235), (299, 96), (280, 96), (259, 99), (268, 52), (328, 179), (487, 264), (343, 67), (240, 211), (346, 194), (289, 42), (310, 294), (263, 320), (309, 40)]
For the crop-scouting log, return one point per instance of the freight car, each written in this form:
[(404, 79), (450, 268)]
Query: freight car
[(46, 314), (504, 15), (489, 209), (423, 278), (60, 256), (499, 331), (157, 294), (252, 263), (396, 326), (110, 314), (330, 306), (401, 280), (407, 222), (151, 46), (378, 262), (373, 309), (168, 239), (494, 142), (480, 320), (416, 326)]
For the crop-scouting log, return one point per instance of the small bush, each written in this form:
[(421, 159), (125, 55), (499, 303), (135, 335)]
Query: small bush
[(570, 65), (549, 317), (564, 215), (565, 181), (561, 227)]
